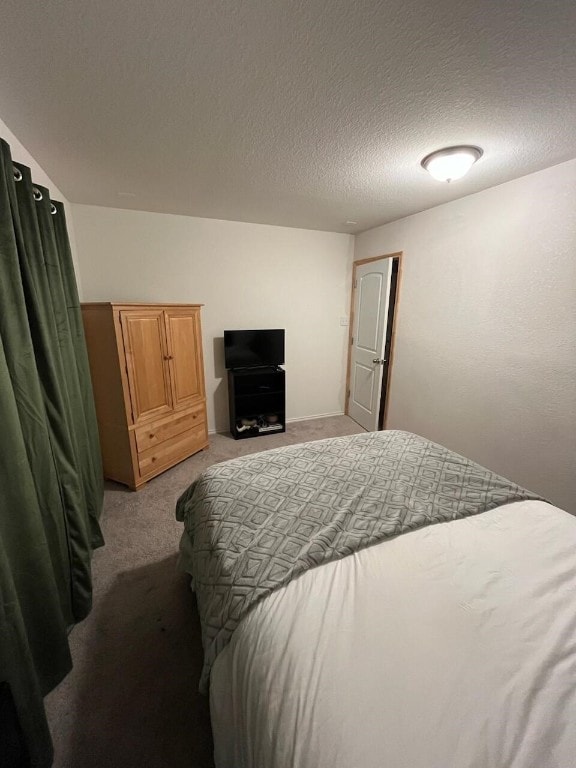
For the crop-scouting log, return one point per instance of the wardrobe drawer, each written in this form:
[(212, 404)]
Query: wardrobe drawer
[(170, 452), (163, 429)]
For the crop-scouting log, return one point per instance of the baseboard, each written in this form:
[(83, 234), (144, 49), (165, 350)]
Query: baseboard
[(288, 421), (316, 416)]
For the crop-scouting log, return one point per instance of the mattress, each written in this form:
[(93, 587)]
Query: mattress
[(452, 646)]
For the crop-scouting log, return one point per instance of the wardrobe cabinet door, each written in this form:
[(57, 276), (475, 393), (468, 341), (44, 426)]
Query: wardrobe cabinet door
[(185, 356), (147, 361)]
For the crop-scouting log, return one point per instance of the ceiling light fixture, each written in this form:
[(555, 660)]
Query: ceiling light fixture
[(451, 163)]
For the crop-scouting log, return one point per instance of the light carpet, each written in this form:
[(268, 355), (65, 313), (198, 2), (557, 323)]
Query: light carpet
[(132, 698)]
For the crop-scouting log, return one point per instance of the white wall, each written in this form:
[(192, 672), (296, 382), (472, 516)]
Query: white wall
[(485, 356), (21, 155), (246, 275)]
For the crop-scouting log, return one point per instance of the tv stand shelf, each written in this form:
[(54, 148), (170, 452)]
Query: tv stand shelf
[(257, 400)]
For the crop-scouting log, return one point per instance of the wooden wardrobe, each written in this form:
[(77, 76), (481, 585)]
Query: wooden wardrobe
[(148, 378)]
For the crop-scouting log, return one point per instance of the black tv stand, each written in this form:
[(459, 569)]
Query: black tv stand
[(257, 400), (256, 368)]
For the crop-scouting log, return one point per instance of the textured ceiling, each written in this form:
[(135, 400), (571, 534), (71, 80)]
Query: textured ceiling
[(304, 113)]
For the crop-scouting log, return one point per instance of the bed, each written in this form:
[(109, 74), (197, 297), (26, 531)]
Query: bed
[(380, 601)]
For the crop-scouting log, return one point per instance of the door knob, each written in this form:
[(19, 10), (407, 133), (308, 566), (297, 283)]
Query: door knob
[(377, 361)]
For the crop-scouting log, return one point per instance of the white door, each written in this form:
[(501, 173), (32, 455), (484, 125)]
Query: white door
[(371, 302)]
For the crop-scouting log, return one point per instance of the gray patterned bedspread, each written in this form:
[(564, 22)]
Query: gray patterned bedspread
[(255, 523)]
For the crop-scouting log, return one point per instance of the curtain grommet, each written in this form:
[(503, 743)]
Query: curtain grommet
[(37, 194), (53, 209), (17, 173)]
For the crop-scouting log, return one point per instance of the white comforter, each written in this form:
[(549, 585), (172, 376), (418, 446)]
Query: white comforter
[(450, 647)]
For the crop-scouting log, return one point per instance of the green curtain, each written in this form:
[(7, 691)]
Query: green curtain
[(50, 468)]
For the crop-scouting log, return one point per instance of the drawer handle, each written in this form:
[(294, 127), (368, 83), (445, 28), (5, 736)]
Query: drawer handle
[(151, 436), (168, 357), (153, 458)]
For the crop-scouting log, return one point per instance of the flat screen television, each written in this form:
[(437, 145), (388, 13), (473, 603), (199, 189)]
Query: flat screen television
[(249, 349)]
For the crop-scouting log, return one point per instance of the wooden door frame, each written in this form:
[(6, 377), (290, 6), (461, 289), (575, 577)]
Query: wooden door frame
[(355, 265)]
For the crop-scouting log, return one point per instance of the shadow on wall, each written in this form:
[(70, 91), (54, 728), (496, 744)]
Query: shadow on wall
[(221, 391), (219, 369), (138, 702)]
